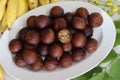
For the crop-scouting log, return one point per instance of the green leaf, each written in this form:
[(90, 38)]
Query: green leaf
[(107, 77), (83, 77), (114, 70), (117, 42), (112, 55), (99, 76), (89, 74), (117, 23), (97, 69)]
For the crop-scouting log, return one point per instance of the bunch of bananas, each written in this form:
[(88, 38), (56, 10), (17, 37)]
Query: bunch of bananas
[(1, 73), (10, 10)]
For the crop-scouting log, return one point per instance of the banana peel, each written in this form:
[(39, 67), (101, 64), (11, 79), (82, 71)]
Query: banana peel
[(1, 73), (44, 2), (11, 13), (53, 1), (2, 8), (22, 7), (33, 4), (4, 24)]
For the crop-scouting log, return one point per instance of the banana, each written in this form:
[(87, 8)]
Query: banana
[(53, 1), (2, 8), (22, 7), (4, 23), (1, 70), (11, 13), (32, 4), (44, 2), (1, 73)]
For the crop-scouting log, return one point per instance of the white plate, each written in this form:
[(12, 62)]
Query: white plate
[(105, 35)]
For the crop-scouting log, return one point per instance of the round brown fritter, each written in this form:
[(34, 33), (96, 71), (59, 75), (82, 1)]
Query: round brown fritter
[(30, 56), (95, 19), (56, 12), (78, 54), (32, 37), (64, 36), (31, 22), (51, 63), (88, 31), (79, 23), (91, 45), (19, 60), (15, 46), (38, 65), (47, 35), (66, 60), (56, 50), (42, 21), (68, 17), (82, 12), (22, 33), (79, 40), (59, 23)]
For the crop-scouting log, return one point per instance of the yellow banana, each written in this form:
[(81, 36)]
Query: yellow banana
[(1, 73), (53, 1), (32, 4), (1, 70), (0, 30), (22, 7), (4, 23), (44, 2), (11, 13), (2, 8)]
